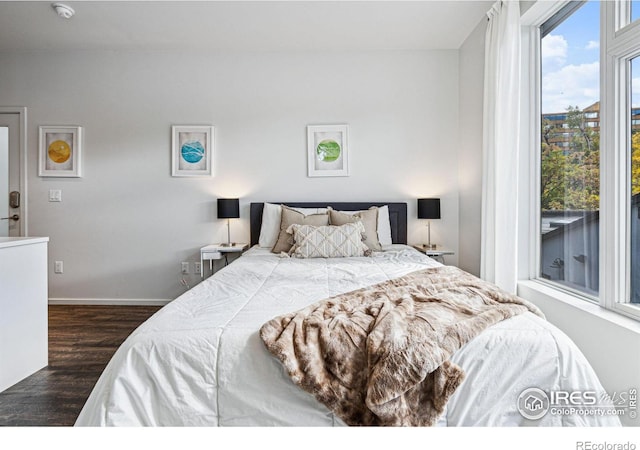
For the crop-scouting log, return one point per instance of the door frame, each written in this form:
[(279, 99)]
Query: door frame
[(22, 145)]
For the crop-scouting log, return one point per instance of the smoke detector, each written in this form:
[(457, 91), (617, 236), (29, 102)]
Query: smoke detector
[(64, 11)]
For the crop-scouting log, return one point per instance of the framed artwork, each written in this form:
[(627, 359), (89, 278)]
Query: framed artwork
[(328, 150), (192, 151), (60, 151)]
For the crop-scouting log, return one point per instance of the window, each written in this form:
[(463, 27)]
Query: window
[(569, 182), (587, 175)]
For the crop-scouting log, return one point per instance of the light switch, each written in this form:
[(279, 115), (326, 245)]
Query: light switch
[(55, 195)]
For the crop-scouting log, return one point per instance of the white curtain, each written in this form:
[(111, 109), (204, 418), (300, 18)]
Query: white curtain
[(501, 130)]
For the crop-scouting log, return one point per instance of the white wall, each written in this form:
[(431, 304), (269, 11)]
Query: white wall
[(124, 227), (470, 152)]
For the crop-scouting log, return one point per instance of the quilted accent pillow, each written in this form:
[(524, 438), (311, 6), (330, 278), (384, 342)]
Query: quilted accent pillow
[(289, 217), (369, 219), (328, 241)]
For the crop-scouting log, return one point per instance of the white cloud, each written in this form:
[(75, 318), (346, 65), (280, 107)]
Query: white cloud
[(592, 45), (635, 92), (572, 85), (554, 52)]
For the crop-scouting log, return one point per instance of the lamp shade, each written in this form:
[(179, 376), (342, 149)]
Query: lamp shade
[(428, 208), (228, 208)]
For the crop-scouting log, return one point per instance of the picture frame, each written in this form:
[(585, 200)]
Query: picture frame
[(60, 151), (328, 150), (192, 150)]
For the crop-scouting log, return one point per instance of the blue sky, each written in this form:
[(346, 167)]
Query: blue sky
[(570, 61)]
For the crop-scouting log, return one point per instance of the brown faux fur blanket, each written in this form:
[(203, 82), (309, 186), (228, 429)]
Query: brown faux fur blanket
[(380, 355)]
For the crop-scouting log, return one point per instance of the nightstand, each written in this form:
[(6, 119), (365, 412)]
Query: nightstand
[(435, 253), (218, 251)]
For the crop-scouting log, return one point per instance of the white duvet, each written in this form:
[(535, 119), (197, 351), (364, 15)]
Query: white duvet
[(200, 362)]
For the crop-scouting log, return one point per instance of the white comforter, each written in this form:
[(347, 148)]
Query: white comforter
[(200, 362)]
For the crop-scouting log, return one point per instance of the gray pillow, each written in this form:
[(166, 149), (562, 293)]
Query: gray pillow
[(369, 219), (290, 217)]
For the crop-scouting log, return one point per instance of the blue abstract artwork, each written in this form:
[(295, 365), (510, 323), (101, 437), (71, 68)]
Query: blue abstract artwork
[(192, 151)]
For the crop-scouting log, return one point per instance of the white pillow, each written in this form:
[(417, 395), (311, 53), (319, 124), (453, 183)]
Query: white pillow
[(270, 229), (384, 225), (270, 225)]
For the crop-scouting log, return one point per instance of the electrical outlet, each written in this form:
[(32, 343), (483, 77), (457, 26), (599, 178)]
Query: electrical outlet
[(185, 267), (58, 267), (197, 267), (55, 195)]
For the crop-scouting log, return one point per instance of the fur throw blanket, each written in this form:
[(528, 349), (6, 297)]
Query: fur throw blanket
[(380, 355)]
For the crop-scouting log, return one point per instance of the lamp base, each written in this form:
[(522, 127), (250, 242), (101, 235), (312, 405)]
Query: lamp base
[(228, 243), (429, 246)]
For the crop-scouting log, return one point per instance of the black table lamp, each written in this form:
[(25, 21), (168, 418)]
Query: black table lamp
[(228, 208), (429, 208)]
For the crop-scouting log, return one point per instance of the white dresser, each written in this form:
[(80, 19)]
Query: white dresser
[(23, 308)]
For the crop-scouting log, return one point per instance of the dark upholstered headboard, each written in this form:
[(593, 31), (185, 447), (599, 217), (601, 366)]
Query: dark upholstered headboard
[(397, 216)]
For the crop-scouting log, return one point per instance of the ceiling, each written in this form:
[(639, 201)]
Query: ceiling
[(240, 25)]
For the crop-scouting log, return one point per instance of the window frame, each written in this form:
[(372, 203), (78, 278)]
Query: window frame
[(618, 47), (616, 50)]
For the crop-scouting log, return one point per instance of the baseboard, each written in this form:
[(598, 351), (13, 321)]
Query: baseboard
[(109, 301)]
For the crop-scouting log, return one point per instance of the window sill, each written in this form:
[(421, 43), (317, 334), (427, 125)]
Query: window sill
[(537, 292)]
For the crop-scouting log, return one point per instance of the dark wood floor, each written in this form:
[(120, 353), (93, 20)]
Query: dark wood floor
[(82, 340)]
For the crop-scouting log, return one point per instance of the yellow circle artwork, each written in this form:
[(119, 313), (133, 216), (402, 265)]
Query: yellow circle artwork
[(59, 151)]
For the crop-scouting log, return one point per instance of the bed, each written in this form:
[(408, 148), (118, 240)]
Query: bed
[(200, 360)]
